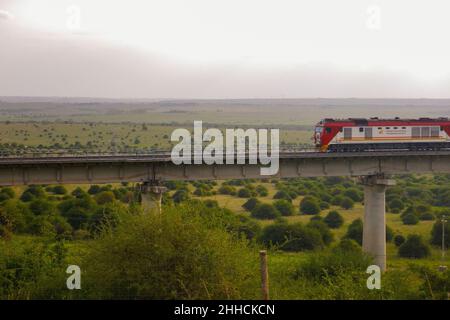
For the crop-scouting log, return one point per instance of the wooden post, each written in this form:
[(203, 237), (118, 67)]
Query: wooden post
[(264, 275)]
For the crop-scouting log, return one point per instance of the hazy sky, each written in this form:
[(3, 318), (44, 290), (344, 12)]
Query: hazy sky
[(225, 48)]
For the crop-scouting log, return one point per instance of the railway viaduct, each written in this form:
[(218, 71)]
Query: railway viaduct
[(374, 169)]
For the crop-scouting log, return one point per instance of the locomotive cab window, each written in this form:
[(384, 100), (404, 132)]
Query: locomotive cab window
[(328, 130)]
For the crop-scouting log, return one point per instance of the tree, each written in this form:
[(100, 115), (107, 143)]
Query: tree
[(333, 219), (309, 205), (410, 219), (94, 189), (226, 189), (265, 211), (61, 190), (353, 194), (180, 196), (347, 203), (105, 197), (399, 240), (262, 190), (291, 237), (250, 204), (355, 231), (282, 194), (284, 207), (42, 207), (436, 234), (325, 233), (244, 193), (396, 205), (414, 247)]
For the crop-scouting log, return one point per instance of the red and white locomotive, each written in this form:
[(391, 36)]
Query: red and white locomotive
[(350, 135)]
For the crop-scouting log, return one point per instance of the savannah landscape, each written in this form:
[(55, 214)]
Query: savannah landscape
[(205, 244)]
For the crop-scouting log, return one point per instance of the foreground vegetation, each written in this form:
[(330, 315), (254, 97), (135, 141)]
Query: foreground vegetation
[(206, 243)]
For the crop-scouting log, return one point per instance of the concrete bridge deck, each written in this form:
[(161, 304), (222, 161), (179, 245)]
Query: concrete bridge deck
[(88, 168)]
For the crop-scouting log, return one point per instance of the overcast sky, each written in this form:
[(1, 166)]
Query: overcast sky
[(225, 48)]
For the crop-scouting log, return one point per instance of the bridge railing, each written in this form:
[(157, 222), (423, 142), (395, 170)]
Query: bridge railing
[(139, 153)]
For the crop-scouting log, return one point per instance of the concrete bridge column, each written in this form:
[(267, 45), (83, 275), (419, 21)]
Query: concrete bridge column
[(374, 232), (151, 196)]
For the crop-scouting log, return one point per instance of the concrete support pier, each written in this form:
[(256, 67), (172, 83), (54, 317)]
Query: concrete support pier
[(374, 232), (151, 196)]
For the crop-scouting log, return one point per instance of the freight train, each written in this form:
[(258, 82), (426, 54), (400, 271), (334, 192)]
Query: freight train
[(374, 134)]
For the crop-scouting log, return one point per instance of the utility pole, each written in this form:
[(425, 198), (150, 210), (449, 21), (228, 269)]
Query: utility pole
[(443, 267)]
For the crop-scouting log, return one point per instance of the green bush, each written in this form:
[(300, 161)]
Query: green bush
[(334, 220), (325, 265), (265, 211), (309, 205), (228, 190), (180, 196), (436, 234), (262, 191), (282, 194), (347, 203), (353, 194), (244, 193), (325, 233), (250, 204), (291, 237), (284, 207), (426, 216), (414, 247), (355, 231), (178, 255), (399, 240), (410, 219), (396, 205), (104, 197)]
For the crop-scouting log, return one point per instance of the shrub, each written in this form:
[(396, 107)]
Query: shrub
[(104, 197), (15, 215), (355, 231), (248, 227), (347, 203), (436, 234), (180, 196), (244, 193), (353, 194), (262, 190), (309, 205), (348, 245), (291, 237), (42, 207), (250, 204), (284, 207), (325, 266), (61, 190), (426, 216), (399, 240), (414, 247), (337, 200), (410, 219), (226, 189), (282, 195), (325, 233), (324, 205), (94, 189), (265, 211), (333, 219), (396, 205), (189, 260)]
